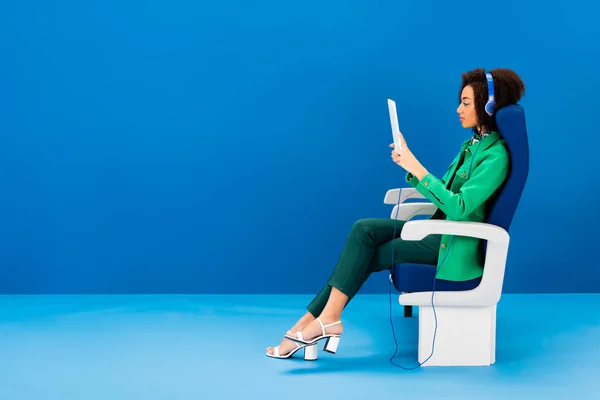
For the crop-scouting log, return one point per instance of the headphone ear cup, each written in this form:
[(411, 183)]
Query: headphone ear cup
[(489, 107)]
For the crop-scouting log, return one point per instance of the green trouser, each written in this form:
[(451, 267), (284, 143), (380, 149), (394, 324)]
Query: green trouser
[(368, 249)]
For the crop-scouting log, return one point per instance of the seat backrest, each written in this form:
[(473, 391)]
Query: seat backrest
[(512, 128)]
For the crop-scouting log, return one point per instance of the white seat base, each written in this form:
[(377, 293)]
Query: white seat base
[(466, 336)]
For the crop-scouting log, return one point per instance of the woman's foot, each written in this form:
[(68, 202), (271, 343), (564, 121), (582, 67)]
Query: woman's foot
[(331, 325), (286, 345)]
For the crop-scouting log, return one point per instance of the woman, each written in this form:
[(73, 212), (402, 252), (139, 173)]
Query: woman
[(464, 193)]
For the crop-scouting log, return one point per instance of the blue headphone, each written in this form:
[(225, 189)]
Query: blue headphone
[(491, 103)]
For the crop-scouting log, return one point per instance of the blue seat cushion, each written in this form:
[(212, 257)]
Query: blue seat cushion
[(411, 278)]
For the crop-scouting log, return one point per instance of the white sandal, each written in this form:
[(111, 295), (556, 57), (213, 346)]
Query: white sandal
[(331, 345), (310, 352)]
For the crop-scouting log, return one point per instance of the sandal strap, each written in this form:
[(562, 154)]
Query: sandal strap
[(326, 326)]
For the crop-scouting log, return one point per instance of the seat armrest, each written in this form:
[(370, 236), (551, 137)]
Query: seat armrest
[(391, 196), (417, 230)]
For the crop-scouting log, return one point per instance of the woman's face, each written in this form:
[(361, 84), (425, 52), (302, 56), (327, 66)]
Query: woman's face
[(466, 110)]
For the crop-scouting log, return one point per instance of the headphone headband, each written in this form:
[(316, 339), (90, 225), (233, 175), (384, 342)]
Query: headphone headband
[(491, 103)]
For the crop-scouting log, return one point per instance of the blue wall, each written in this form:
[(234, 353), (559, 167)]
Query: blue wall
[(227, 147)]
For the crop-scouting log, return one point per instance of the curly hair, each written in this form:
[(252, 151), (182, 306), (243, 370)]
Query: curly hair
[(508, 89)]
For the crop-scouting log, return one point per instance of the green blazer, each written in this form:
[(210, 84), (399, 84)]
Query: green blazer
[(465, 193)]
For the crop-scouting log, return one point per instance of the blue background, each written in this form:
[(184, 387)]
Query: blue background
[(227, 147)]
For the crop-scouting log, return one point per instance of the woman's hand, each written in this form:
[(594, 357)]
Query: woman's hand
[(406, 159)]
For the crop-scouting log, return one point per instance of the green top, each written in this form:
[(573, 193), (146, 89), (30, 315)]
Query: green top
[(477, 172)]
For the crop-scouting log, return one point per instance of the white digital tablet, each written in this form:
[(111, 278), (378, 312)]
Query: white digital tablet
[(394, 122)]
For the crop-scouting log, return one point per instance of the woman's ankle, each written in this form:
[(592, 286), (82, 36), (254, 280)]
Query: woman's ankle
[(330, 317), (303, 321), (307, 318)]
